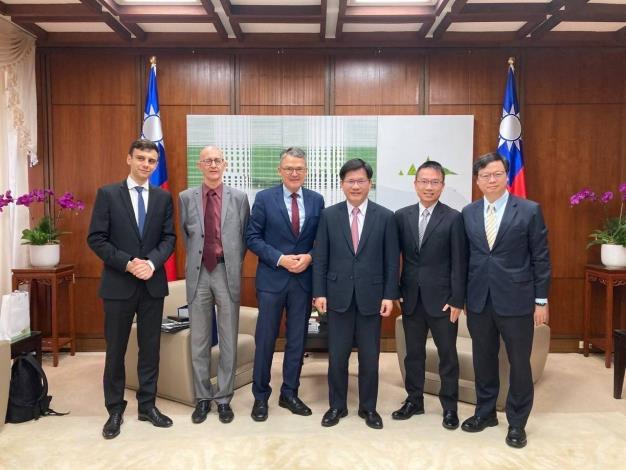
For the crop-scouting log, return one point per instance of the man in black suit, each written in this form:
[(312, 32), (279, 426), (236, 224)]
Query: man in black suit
[(434, 266), (355, 279), (507, 291), (132, 231)]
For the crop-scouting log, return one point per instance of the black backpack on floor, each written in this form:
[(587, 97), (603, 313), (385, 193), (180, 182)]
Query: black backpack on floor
[(28, 394)]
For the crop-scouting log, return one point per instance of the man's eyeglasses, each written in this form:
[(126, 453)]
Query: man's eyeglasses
[(433, 183), (211, 161), (495, 175), (362, 182), (289, 170)]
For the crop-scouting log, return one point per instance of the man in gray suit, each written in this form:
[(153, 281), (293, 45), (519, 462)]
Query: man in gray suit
[(213, 218)]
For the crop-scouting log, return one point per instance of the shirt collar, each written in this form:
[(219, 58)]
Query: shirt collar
[(362, 207), (498, 203), (430, 209), (218, 190), (133, 184), (287, 194)]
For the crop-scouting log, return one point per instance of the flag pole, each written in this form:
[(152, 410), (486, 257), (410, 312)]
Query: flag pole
[(153, 60), (511, 62)]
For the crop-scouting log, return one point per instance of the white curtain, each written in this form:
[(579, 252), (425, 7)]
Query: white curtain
[(18, 141)]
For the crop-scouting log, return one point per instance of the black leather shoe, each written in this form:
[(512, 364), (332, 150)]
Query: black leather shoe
[(332, 417), (479, 423), (516, 437), (202, 409), (295, 405), (372, 419), (225, 412), (157, 418), (259, 410), (408, 409), (450, 419), (111, 428)]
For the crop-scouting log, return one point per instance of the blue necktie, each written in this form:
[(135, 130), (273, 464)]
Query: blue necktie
[(141, 210)]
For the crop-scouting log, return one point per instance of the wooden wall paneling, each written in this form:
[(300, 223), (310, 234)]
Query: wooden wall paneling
[(271, 80), (567, 148), (448, 79), (282, 110), (194, 79), (378, 110), (94, 78), (361, 81), (567, 76)]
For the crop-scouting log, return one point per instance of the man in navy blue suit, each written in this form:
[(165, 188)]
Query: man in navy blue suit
[(507, 294), (281, 232)]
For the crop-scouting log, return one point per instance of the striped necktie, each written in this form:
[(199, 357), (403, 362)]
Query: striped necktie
[(490, 225), (422, 225)]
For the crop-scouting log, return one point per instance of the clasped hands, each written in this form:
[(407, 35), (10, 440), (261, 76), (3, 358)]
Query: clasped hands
[(295, 263), (386, 306), (140, 268)]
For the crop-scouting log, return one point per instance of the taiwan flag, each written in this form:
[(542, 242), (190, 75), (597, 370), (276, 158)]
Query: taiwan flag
[(151, 130), (510, 138)]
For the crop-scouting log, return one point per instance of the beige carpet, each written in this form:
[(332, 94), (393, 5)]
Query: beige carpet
[(575, 424)]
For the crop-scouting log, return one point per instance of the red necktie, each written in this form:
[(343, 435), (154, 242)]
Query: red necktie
[(295, 215), (208, 252)]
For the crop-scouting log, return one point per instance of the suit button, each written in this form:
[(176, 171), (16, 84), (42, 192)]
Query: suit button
[(351, 277), (202, 236), (198, 268), (200, 252)]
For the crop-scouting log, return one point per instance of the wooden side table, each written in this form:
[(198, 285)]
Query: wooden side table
[(29, 344), (60, 275), (609, 278)]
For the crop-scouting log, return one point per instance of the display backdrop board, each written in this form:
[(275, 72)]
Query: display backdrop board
[(394, 145)]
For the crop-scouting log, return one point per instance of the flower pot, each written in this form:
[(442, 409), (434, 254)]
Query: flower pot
[(44, 256), (613, 256)]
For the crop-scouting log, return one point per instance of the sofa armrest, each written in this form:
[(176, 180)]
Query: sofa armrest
[(176, 298), (247, 320)]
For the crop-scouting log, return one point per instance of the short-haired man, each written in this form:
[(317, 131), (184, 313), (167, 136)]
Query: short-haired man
[(281, 232), (213, 219), (355, 279), (132, 232), (507, 291), (434, 266)]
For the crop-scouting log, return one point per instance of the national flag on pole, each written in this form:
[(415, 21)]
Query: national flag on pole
[(510, 138), (151, 130)]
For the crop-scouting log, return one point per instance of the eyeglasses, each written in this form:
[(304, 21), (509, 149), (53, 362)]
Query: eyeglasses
[(433, 183), (496, 175), (362, 182), (211, 161), (289, 170)]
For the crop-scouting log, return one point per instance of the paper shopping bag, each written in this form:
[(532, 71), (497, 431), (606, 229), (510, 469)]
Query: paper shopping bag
[(15, 316)]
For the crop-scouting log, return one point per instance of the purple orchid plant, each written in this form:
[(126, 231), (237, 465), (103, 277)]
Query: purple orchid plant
[(45, 231), (614, 231)]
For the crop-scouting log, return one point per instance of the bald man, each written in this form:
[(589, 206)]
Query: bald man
[(213, 219)]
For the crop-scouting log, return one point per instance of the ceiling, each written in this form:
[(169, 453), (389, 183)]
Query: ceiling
[(319, 23)]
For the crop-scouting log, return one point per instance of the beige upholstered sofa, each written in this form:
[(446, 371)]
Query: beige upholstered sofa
[(5, 378), (175, 376), (467, 393)]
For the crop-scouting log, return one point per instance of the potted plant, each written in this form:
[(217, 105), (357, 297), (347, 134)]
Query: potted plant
[(43, 237), (612, 237)]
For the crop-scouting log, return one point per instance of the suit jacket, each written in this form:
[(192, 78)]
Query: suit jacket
[(371, 274), (234, 219), (517, 269), (269, 236), (437, 271), (114, 237)]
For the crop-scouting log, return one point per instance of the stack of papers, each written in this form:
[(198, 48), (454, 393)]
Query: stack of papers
[(173, 326)]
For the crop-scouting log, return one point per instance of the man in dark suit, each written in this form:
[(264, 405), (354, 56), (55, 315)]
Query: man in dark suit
[(281, 233), (434, 266), (355, 279), (132, 231), (507, 291)]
